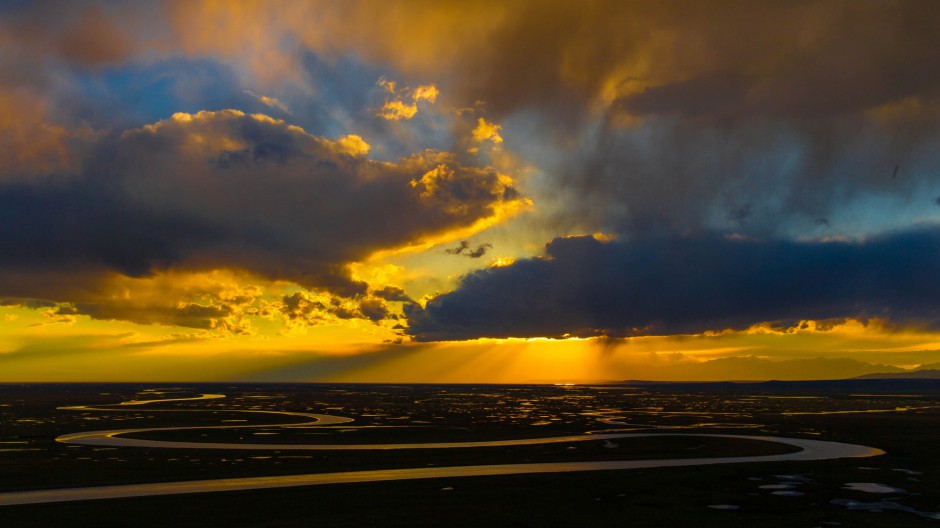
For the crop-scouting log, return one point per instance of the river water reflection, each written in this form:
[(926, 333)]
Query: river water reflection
[(808, 450)]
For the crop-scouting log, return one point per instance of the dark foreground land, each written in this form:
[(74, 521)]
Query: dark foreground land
[(901, 417)]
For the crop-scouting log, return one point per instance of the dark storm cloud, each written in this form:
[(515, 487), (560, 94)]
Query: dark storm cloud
[(76, 224), (224, 189), (675, 116), (662, 286), (33, 304), (710, 94), (774, 58), (758, 177)]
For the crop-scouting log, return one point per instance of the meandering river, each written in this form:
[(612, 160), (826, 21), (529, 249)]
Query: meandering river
[(809, 450)]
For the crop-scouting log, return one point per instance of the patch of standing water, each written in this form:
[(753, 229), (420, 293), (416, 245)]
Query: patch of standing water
[(872, 487), (792, 478), (881, 506), (723, 506)]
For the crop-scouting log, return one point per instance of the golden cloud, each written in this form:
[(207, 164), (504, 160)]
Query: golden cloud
[(486, 131), (225, 190), (397, 109)]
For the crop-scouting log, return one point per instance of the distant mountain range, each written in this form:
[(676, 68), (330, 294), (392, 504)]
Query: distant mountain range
[(927, 371), (836, 386), (920, 373), (755, 369)]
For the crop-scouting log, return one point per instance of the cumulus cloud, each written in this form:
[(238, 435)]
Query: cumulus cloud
[(486, 131), (220, 301), (226, 189), (374, 309), (305, 308), (659, 286), (403, 104), (427, 93)]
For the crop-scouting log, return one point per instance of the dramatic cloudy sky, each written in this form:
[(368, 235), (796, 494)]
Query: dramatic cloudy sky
[(468, 191)]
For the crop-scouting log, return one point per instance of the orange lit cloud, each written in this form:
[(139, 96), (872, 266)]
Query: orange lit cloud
[(404, 102), (221, 303), (230, 191), (486, 131)]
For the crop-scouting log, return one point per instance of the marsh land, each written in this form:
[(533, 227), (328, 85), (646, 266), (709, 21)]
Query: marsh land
[(898, 488)]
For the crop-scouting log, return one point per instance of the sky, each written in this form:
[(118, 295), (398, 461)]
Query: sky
[(473, 191)]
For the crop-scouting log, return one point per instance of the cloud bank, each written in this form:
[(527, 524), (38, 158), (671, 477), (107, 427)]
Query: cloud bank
[(769, 144), (584, 287), (225, 189)]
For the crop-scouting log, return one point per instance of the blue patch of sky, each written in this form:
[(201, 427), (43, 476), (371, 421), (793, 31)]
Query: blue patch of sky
[(341, 97), (345, 98), (136, 94)]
